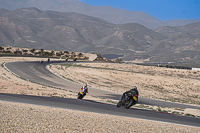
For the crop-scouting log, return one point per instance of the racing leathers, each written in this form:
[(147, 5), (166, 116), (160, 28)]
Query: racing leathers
[(133, 92), (84, 89)]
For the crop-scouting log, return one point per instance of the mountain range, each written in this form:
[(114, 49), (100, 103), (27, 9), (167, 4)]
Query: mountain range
[(69, 31), (110, 14)]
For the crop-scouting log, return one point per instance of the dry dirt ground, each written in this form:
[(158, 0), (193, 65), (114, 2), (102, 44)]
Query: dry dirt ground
[(18, 117), (174, 85), (167, 84)]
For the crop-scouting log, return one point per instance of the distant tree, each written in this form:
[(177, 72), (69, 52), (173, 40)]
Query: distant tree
[(25, 50), (50, 54), (66, 52), (99, 55), (7, 52), (73, 55), (38, 53), (46, 53), (32, 50), (42, 50), (80, 55), (118, 60), (1, 48), (62, 53), (53, 52), (58, 54), (18, 52), (86, 58)]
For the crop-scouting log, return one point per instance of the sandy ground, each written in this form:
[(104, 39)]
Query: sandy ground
[(17, 117), (153, 82)]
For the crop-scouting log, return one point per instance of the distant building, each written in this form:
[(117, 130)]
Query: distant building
[(197, 69)]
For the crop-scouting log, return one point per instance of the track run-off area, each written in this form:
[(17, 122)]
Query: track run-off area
[(36, 72)]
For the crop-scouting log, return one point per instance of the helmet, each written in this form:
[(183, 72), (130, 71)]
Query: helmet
[(134, 87)]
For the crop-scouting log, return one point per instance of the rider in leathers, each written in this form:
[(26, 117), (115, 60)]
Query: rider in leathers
[(131, 91), (84, 88)]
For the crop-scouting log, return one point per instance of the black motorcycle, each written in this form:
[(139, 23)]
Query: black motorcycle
[(128, 101)]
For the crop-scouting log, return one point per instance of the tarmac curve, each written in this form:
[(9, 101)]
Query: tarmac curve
[(37, 72)]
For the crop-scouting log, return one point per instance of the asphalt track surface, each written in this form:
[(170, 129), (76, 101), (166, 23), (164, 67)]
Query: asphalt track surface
[(37, 72)]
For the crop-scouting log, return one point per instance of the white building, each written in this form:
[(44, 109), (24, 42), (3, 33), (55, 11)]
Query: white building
[(197, 69)]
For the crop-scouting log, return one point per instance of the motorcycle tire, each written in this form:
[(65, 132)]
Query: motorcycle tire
[(128, 103), (79, 96), (119, 104)]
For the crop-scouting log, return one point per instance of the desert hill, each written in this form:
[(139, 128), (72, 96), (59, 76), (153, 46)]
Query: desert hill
[(69, 31), (110, 14)]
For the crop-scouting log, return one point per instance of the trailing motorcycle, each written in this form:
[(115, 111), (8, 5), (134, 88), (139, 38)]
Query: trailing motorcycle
[(81, 95), (127, 101), (83, 92)]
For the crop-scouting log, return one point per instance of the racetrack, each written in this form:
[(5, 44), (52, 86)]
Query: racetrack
[(36, 72)]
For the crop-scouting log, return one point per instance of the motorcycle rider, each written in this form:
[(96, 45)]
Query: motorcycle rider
[(132, 91), (84, 88)]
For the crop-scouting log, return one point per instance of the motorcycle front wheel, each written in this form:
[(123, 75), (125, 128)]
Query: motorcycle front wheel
[(80, 96), (128, 103)]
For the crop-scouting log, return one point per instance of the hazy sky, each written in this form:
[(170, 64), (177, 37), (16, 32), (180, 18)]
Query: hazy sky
[(161, 9)]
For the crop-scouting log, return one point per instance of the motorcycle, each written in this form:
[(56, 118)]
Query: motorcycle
[(81, 95), (128, 101)]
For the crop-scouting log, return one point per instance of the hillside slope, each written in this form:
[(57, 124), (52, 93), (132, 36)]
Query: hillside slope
[(33, 28), (110, 14)]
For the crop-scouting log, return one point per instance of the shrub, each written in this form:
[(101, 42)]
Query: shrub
[(25, 50), (32, 50), (17, 52), (118, 60), (1, 48), (66, 52)]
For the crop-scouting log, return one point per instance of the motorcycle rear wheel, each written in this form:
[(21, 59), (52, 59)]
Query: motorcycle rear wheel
[(119, 104)]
